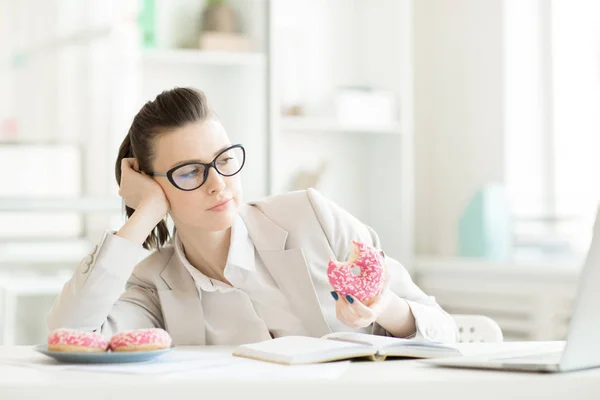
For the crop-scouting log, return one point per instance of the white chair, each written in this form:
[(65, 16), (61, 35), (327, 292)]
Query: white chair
[(477, 328)]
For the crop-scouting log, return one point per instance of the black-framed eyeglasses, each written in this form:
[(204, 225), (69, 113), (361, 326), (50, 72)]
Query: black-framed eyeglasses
[(192, 175)]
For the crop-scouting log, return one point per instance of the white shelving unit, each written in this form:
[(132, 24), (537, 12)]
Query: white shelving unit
[(324, 125), (13, 288), (200, 58), (59, 159), (368, 170), (45, 254), (58, 188), (78, 204)]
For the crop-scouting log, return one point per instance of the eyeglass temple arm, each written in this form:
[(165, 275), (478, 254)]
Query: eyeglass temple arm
[(155, 174)]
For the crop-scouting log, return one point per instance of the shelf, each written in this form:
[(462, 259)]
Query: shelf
[(39, 142), (65, 252), (81, 204), (324, 125), (33, 285), (198, 57)]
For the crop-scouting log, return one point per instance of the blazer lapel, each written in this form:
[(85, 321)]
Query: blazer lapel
[(182, 305), (288, 268)]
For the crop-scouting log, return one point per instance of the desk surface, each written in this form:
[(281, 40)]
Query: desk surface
[(362, 380)]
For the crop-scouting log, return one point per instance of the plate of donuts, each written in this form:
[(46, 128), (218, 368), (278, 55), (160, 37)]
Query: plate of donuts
[(72, 346)]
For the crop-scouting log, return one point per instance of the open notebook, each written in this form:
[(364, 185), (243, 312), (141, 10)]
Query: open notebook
[(339, 346)]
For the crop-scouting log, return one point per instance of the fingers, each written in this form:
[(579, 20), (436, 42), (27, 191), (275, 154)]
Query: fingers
[(345, 314), (127, 162), (351, 303), (361, 310), (349, 318), (353, 313), (357, 308), (130, 164)]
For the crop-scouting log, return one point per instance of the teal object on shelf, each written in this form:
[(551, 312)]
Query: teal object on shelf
[(147, 23), (485, 226)]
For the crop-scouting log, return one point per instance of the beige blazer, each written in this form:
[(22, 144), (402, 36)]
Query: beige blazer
[(295, 234)]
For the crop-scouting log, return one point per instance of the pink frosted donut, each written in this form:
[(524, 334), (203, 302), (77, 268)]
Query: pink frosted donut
[(76, 341), (140, 340), (361, 276)]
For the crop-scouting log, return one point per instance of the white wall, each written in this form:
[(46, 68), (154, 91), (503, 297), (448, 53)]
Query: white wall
[(458, 47)]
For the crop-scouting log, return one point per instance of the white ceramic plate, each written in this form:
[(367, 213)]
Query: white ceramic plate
[(100, 358)]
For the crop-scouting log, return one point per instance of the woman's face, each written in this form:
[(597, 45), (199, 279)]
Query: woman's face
[(214, 205)]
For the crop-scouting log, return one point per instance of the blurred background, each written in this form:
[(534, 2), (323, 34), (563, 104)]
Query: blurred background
[(463, 131)]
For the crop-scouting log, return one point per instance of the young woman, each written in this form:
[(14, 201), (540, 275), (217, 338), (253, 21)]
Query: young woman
[(233, 272)]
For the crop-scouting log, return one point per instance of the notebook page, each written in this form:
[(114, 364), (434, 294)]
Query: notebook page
[(366, 339), (384, 341), (291, 346), (300, 349)]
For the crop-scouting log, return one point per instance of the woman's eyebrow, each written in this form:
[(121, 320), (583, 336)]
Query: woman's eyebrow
[(197, 160)]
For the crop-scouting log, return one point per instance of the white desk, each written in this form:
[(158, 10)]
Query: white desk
[(401, 379)]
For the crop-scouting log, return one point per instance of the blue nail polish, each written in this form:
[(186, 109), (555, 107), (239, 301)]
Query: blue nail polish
[(335, 296), (350, 299)]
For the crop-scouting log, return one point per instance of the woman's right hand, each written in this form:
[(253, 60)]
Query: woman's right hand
[(141, 191)]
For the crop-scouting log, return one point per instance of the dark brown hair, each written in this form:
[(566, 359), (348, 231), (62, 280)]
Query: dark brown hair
[(171, 109)]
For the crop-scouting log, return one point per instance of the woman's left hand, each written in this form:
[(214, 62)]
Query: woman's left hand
[(351, 312)]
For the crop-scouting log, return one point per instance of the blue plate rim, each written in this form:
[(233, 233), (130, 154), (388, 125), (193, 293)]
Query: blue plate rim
[(43, 348)]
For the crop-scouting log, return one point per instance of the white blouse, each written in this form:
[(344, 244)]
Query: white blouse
[(253, 308)]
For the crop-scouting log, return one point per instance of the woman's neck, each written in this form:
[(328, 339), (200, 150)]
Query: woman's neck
[(206, 251)]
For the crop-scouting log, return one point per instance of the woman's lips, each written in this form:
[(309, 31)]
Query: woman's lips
[(221, 206)]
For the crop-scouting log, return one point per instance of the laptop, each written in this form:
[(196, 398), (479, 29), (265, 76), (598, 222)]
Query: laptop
[(582, 347)]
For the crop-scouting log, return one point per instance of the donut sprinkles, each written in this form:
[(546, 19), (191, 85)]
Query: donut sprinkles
[(76, 341), (140, 340), (69, 340), (367, 283)]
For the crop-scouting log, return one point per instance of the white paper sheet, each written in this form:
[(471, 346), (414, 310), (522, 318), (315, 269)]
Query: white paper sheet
[(174, 362), (184, 364), (253, 370)]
